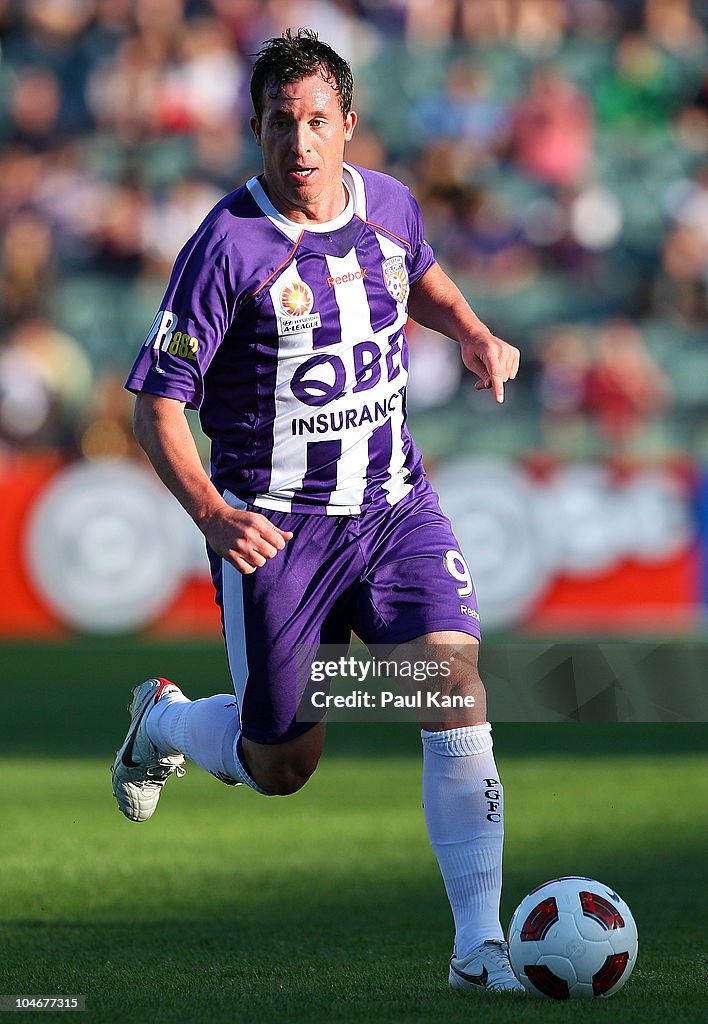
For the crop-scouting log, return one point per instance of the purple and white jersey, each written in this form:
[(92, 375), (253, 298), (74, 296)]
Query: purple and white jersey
[(290, 341)]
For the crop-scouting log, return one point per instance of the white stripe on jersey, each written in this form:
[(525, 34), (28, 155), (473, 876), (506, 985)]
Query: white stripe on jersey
[(289, 460), (396, 486), (350, 296), (355, 325)]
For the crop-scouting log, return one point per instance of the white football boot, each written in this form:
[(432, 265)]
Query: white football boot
[(486, 968), (139, 771)]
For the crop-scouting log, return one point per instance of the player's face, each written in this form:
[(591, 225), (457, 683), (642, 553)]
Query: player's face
[(302, 132)]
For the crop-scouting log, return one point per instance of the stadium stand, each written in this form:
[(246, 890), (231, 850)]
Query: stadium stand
[(559, 149)]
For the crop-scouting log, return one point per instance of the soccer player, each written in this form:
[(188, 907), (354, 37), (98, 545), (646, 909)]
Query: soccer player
[(284, 324)]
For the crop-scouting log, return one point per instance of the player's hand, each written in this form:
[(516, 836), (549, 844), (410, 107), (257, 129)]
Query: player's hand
[(493, 360), (245, 539)]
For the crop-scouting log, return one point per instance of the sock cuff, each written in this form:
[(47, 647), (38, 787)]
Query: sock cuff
[(240, 769), (470, 739)]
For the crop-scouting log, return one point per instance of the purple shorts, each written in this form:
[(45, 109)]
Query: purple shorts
[(389, 575)]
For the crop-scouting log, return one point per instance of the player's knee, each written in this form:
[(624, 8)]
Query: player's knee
[(461, 698), (465, 684), (288, 778), (287, 774), (478, 687), (282, 769)]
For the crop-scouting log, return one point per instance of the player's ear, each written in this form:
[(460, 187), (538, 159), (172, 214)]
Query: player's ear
[(256, 129), (349, 122)]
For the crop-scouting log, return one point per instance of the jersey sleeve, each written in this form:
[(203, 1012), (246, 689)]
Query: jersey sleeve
[(195, 314), (422, 256)]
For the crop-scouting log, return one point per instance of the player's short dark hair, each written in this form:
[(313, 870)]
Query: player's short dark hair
[(294, 56)]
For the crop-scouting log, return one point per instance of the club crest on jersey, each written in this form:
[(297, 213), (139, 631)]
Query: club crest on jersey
[(296, 301), (396, 278)]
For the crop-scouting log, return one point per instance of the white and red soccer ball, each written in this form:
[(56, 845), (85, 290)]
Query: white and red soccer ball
[(573, 938)]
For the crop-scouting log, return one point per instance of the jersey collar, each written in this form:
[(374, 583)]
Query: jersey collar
[(353, 185)]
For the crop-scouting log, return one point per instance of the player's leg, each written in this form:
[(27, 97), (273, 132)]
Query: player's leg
[(284, 768), (252, 736), (208, 732), (463, 803), (422, 594), (166, 727)]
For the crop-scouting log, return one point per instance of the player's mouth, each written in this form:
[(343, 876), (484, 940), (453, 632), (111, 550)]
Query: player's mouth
[(301, 173)]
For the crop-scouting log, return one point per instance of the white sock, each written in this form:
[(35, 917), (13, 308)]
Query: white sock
[(464, 812), (206, 731)]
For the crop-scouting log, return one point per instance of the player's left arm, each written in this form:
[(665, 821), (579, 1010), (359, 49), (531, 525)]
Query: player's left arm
[(436, 302)]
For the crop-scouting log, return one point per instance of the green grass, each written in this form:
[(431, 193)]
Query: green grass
[(325, 906)]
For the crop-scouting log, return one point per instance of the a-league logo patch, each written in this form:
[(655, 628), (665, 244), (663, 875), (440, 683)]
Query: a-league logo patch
[(296, 301), (396, 278)]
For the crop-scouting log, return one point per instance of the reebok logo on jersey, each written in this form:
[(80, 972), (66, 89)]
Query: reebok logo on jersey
[(357, 275)]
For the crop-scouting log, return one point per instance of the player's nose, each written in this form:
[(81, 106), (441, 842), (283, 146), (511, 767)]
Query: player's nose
[(299, 139)]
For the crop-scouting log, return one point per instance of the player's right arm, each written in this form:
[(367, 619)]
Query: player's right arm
[(245, 539)]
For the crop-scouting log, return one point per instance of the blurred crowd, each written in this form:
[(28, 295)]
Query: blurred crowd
[(559, 149)]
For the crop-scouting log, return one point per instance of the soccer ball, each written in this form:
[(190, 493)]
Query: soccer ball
[(573, 938)]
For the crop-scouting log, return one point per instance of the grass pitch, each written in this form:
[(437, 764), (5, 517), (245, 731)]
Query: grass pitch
[(327, 905)]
